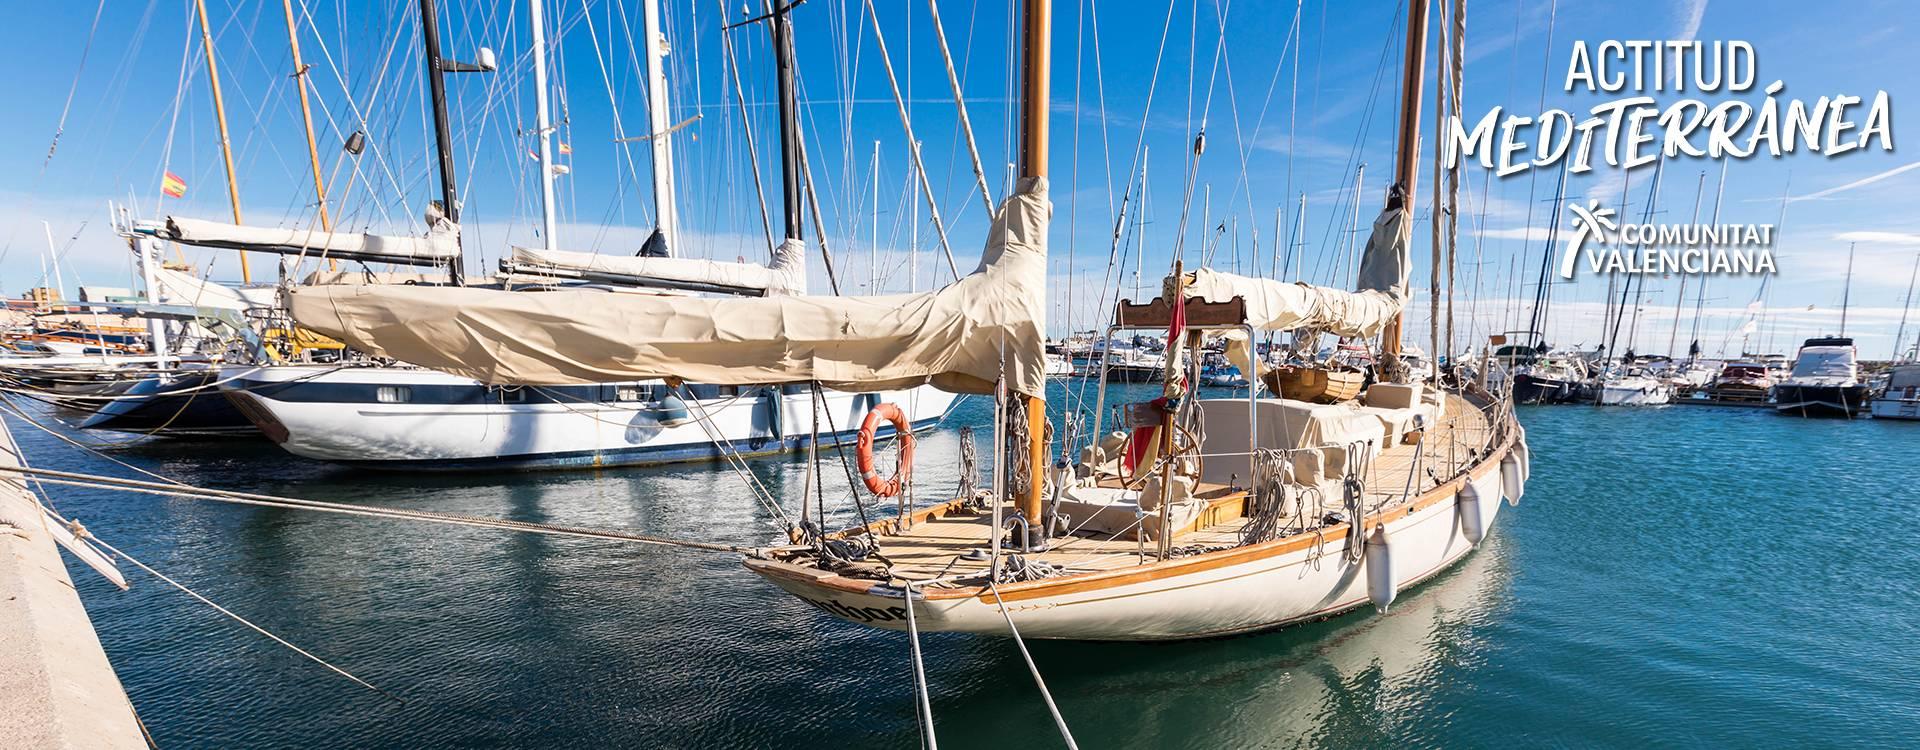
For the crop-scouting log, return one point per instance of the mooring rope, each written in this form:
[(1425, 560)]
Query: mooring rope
[(96, 481), (1037, 680)]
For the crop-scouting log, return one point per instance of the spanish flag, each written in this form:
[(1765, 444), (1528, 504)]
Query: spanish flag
[(565, 149), (173, 186)]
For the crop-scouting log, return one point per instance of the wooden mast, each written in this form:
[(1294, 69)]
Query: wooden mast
[(306, 113), (1036, 61), (1406, 156), (220, 115)]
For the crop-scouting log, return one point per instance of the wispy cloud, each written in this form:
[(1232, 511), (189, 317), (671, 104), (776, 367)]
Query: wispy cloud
[(1860, 183), (1690, 12), (1881, 238)]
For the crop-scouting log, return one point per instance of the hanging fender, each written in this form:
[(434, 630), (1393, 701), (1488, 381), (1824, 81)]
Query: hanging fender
[(1380, 577), (889, 486)]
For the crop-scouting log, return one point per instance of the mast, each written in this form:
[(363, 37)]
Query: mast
[(1679, 297), (543, 122), (873, 249), (1846, 291), (1036, 61), (306, 115), (1407, 151), (437, 68), (220, 116), (665, 207), (1353, 227), (789, 127), (1900, 335)]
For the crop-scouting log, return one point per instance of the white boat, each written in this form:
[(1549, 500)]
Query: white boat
[(414, 419), (1825, 381), (1059, 366), (1901, 399), (1635, 390)]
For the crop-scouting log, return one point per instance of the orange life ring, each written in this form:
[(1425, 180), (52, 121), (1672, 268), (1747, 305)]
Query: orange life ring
[(886, 487)]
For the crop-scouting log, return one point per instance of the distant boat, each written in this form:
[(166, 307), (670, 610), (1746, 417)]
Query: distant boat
[(1901, 399), (1747, 382), (1634, 390), (1825, 381), (1550, 379)]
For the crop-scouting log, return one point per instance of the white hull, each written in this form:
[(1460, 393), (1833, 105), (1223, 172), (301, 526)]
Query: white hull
[(449, 422), (1235, 591), (1896, 408), (1635, 392)]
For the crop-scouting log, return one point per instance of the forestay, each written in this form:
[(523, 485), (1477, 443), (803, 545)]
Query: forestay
[(961, 338)]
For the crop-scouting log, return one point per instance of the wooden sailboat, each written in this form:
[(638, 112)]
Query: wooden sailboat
[(1279, 511)]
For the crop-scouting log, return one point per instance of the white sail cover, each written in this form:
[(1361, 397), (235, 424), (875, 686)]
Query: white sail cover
[(961, 338), (180, 288), (441, 245), (787, 274), (1279, 306)]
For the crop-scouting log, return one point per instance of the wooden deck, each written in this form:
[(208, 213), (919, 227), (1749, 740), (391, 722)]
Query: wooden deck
[(938, 547)]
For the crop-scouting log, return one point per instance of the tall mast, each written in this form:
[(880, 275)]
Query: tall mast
[(442, 131), (789, 127), (665, 207), (1846, 292), (306, 114), (543, 122), (1036, 61), (220, 116), (1900, 335), (873, 249), (1407, 151), (1673, 335)]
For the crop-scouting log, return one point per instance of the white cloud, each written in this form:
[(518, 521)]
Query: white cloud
[(1880, 238)]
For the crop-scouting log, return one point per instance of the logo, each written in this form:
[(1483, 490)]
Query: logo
[(1608, 246)]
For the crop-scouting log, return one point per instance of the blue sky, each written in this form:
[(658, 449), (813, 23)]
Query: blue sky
[(1275, 130)]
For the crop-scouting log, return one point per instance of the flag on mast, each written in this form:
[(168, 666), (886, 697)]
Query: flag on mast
[(172, 186)]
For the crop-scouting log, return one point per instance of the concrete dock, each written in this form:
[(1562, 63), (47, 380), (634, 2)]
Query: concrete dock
[(57, 687)]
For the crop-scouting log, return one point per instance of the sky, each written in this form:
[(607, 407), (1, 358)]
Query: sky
[(1293, 97)]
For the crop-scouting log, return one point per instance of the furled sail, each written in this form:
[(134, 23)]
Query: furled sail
[(439, 247), (1279, 306), (961, 338), (1380, 293), (787, 274)]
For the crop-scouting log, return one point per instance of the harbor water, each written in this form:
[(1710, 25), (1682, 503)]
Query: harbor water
[(1679, 576)]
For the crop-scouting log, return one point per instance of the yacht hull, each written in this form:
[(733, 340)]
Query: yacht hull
[(1820, 400), (1241, 590), (450, 423), (179, 405), (1897, 408)]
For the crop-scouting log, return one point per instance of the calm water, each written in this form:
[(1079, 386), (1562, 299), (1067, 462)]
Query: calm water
[(1678, 576)]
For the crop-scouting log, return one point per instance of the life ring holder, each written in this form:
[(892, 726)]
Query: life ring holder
[(885, 486)]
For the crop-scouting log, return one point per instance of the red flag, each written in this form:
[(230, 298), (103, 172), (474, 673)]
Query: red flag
[(172, 186)]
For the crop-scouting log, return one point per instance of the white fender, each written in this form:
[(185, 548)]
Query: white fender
[(1380, 578), (1513, 482), (1526, 456)]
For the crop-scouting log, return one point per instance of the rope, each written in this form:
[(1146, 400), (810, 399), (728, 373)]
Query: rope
[(906, 123), (960, 104), (81, 532), (1037, 680), (920, 674), (96, 481)]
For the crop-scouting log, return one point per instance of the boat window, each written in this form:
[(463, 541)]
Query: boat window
[(393, 394), (795, 389), (629, 393), (512, 395)]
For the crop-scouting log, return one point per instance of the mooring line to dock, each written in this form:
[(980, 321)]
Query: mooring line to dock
[(81, 533), (1052, 708), (96, 481), (919, 673)]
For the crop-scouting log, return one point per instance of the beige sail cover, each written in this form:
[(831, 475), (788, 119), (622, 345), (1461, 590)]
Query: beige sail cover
[(1280, 306), (439, 246), (787, 274), (961, 338)]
